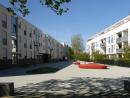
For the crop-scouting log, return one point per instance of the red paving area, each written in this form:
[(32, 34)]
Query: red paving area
[(92, 66)]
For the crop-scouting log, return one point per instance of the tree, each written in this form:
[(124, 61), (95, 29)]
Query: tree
[(97, 56), (77, 43), (81, 56), (21, 6), (126, 53)]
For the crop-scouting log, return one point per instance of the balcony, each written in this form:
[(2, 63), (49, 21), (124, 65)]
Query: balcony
[(103, 45), (122, 39), (120, 50)]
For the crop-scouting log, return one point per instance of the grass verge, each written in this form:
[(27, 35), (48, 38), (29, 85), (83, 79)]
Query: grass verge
[(43, 70)]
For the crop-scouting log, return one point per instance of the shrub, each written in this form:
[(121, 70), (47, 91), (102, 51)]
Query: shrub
[(81, 56), (97, 56), (122, 62), (118, 62), (107, 61)]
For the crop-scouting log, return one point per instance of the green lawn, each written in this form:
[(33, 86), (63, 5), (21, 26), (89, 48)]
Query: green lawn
[(43, 70)]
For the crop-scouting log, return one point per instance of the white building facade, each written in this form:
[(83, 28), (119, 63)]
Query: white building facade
[(111, 41)]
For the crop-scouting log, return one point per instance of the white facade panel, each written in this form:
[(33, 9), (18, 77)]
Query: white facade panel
[(116, 36)]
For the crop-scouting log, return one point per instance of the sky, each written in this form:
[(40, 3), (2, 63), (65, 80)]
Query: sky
[(85, 17)]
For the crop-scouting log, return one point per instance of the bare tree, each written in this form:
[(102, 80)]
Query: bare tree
[(77, 43)]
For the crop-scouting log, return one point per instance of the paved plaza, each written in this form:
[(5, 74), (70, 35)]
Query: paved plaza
[(72, 81)]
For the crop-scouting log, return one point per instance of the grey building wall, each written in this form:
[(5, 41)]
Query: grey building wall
[(25, 41), (5, 38)]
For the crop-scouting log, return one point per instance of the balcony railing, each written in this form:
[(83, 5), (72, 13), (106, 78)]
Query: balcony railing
[(103, 44), (119, 50), (122, 39)]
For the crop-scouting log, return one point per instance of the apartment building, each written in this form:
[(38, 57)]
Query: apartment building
[(21, 41), (111, 40), (5, 38)]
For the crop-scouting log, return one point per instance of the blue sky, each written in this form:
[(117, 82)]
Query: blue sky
[(85, 17)]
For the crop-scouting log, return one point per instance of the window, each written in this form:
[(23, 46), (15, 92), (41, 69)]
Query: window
[(109, 40), (25, 33), (14, 30), (34, 32), (20, 25), (30, 46), (30, 34), (4, 53), (4, 24), (4, 40), (112, 39), (25, 45), (112, 48), (109, 50), (25, 57)]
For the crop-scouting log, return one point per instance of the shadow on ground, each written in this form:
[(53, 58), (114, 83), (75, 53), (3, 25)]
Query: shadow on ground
[(75, 88), (18, 71)]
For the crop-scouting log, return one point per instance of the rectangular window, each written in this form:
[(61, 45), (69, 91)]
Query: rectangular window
[(25, 33), (13, 26), (109, 50), (34, 32), (109, 40), (112, 39), (4, 24), (112, 48), (14, 30), (30, 34), (25, 45), (20, 25), (4, 40), (30, 46)]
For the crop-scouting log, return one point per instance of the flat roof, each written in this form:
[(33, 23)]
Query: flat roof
[(115, 25)]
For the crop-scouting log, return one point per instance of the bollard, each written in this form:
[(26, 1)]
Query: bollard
[(6, 89), (127, 85)]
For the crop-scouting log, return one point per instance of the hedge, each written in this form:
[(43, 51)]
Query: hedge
[(118, 62)]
